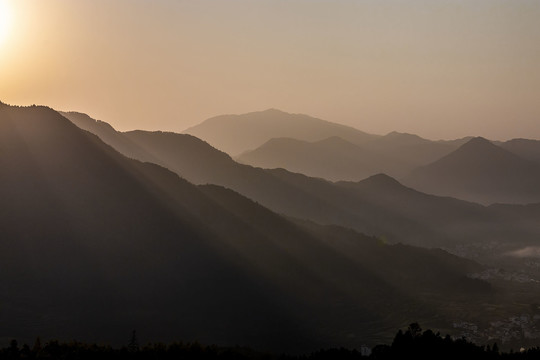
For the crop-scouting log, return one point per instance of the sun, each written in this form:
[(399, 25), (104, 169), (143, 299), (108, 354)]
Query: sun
[(5, 20)]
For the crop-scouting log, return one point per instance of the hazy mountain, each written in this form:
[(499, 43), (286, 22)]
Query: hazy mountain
[(524, 148), (333, 158), (441, 213), (457, 142), (109, 135), (295, 195), (184, 154), (95, 245), (378, 206), (482, 172), (236, 134), (410, 150), (382, 206)]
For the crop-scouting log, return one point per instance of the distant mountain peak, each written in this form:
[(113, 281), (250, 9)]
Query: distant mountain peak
[(478, 150), (480, 171), (236, 134), (402, 134), (269, 111), (381, 179), (273, 110), (479, 141), (479, 147)]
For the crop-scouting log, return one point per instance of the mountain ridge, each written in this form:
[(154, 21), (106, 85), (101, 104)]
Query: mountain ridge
[(332, 158), (480, 171), (116, 244), (235, 134), (439, 220)]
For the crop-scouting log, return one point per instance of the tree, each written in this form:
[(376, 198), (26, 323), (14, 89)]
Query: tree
[(415, 330), (133, 345), (37, 346), (13, 350)]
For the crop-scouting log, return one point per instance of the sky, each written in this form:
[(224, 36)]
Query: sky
[(439, 68)]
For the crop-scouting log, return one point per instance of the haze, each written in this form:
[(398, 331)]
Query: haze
[(440, 69)]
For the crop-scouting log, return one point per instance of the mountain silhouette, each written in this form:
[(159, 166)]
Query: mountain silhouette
[(410, 150), (524, 148), (236, 134), (333, 159), (482, 172), (95, 244), (395, 213), (109, 135), (294, 195), (184, 154)]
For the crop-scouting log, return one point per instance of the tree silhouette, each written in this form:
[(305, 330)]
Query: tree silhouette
[(133, 345), (37, 346), (414, 329)]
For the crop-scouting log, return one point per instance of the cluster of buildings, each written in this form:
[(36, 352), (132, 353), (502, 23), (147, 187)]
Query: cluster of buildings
[(523, 327)]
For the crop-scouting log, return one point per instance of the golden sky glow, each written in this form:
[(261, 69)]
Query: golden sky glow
[(442, 69), (5, 21)]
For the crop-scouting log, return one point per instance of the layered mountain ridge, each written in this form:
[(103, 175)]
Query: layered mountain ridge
[(235, 134), (95, 244), (480, 171)]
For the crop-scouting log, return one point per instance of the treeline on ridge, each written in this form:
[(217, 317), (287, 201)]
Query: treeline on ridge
[(410, 344)]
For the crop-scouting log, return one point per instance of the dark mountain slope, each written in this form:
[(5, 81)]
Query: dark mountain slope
[(385, 264), (236, 134), (94, 245), (437, 222), (527, 216), (291, 194), (382, 206), (108, 135), (198, 162), (367, 252), (182, 154), (294, 195), (387, 192), (94, 237), (482, 172)]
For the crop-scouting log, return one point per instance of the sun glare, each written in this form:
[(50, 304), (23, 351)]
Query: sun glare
[(5, 20)]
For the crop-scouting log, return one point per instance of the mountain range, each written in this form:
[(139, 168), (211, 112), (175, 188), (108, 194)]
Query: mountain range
[(378, 206), (480, 171), (163, 233), (505, 172), (332, 158), (95, 244), (525, 148), (236, 134)]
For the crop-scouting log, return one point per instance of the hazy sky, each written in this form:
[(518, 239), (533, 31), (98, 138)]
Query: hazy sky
[(442, 69)]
